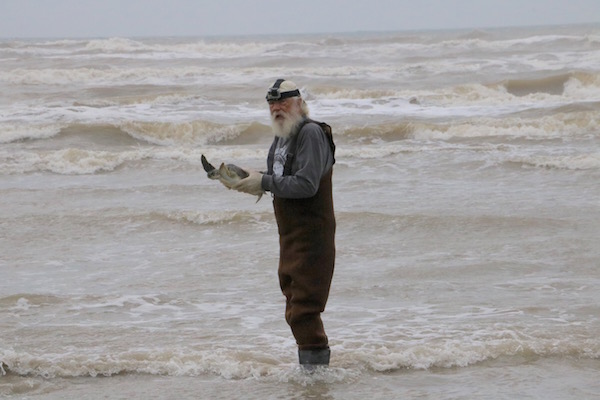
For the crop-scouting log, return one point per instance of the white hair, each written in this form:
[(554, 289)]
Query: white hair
[(304, 108)]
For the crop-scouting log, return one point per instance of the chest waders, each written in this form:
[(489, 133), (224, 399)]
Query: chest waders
[(307, 256)]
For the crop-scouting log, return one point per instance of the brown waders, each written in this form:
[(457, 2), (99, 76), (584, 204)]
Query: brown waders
[(307, 255)]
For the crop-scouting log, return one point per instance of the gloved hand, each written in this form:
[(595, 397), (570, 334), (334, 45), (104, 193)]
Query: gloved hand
[(252, 184)]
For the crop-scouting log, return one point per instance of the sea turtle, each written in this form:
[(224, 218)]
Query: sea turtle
[(228, 174)]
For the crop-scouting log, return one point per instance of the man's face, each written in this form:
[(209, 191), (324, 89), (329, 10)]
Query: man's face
[(279, 109), (285, 114)]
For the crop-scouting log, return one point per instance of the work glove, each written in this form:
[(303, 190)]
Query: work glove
[(252, 184)]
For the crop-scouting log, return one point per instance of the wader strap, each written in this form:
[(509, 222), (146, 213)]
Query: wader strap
[(289, 160)]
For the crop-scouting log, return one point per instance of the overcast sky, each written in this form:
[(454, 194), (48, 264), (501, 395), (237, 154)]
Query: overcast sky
[(128, 18)]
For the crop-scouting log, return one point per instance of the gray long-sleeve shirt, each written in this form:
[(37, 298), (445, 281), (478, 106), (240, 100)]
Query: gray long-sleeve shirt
[(313, 158)]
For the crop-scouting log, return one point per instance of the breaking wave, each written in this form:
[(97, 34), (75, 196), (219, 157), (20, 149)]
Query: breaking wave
[(77, 161), (351, 360), (553, 126), (161, 133), (81, 149)]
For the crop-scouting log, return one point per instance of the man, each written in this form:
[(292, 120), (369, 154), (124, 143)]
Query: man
[(299, 169)]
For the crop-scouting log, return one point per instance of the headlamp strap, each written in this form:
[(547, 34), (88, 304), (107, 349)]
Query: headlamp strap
[(274, 93)]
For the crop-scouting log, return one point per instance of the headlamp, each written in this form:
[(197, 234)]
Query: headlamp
[(275, 94)]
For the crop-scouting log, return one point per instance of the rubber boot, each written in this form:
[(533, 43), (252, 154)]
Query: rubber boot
[(311, 359)]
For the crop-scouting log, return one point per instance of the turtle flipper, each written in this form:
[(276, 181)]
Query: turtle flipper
[(208, 167), (211, 171)]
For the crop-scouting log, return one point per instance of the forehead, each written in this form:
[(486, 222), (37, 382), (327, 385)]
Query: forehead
[(285, 102)]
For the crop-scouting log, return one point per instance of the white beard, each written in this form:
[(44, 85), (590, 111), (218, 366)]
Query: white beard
[(284, 127)]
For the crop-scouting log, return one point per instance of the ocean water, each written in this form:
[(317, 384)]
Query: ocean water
[(467, 195)]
